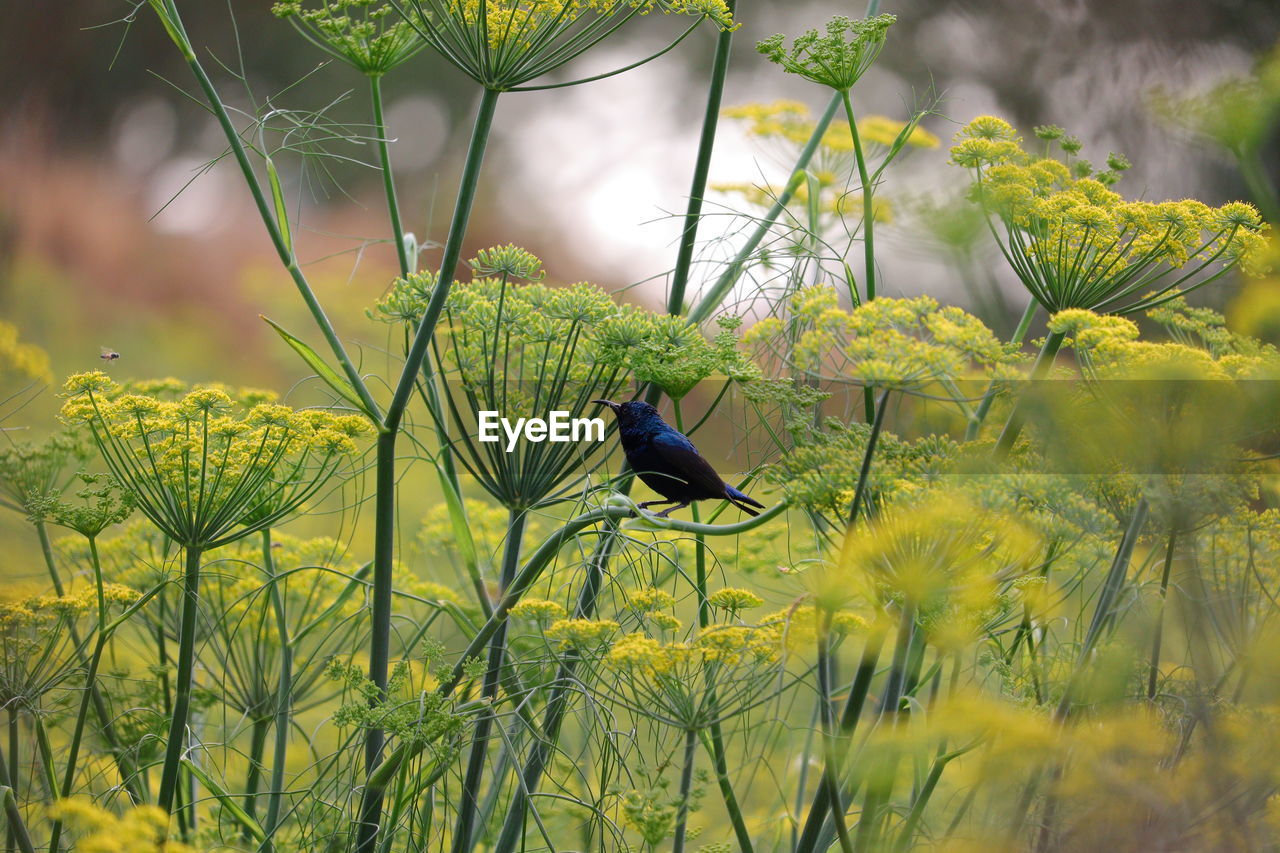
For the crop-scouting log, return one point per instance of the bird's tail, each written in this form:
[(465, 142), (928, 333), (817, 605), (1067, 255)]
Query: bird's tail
[(741, 501)]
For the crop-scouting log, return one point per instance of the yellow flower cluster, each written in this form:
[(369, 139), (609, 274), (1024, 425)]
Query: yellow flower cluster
[(891, 343), (1075, 243), (581, 634), (369, 35), (205, 463), (733, 600), (141, 829), (944, 558), (728, 645), (17, 358), (539, 610), (791, 121)]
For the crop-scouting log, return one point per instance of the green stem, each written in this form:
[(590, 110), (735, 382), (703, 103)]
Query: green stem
[(1154, 672), (259, 730), (48, 775), (975, 424), (384, 540), (284, 699), (127, 771), (880, 781), (831, 755), (701, 167), (11, 831), (185, 679), (849, 718), (91, 675), (686, 783), (1044, 361), (713, 297), (14, 817), (864, 472), (557, 705), (388, 182), (719, 757), (469, 801), (868, 205), (452, 254), (384, 510)]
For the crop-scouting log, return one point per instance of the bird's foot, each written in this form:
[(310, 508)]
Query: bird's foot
[(669, 510)]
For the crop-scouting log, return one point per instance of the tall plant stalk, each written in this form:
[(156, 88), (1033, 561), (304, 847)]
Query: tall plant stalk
[(185, 678), (701, 168), (469, 800), (128, 773), (1153, 673), (284, 700), (686, 784), (388, 180), (715, 734), (90, 678), (385, 466)]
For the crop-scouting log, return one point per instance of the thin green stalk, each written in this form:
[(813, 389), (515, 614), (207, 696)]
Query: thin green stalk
[(868, 206), (388, 182), (980, 415), (10, 831), (1044, 361), (880, 786), (106, 725), (469, 801), (831, 755), (723, 285), (259, 730), (686, 783), (185, 679), (558, 703), (864, 472), (284, 701), (48, 775), (452, 254), (384, 507), (384, 535), (1154, 672), (701, 167), (91, 675), (718, 756), (849, 718), (14, 817)]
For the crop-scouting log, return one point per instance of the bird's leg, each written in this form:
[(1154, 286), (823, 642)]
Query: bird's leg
[(648, 504), (670, 510)]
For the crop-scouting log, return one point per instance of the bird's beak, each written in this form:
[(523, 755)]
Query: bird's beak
[(609, 403)]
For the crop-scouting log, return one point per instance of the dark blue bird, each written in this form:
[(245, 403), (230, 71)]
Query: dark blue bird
[(667, 462)]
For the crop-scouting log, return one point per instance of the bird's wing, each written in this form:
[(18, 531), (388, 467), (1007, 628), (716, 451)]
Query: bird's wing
[(684, 461)]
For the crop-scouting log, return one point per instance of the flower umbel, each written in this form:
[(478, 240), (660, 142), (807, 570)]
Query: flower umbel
[(836, 59)]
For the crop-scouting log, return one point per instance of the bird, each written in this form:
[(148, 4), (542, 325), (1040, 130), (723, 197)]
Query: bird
[(667, 462)]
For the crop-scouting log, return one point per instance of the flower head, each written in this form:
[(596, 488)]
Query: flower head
[(836, 59), (368, 35)]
